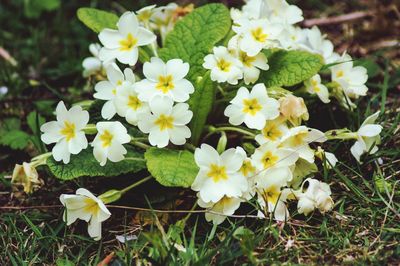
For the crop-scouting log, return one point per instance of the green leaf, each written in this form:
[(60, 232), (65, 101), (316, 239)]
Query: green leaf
[(191, 40), (15, 139), (288, 68), (96, 19), (171, 168), (33, 8), (84, 164)]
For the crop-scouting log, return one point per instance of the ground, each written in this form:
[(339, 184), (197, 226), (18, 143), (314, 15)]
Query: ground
[(363, 228)]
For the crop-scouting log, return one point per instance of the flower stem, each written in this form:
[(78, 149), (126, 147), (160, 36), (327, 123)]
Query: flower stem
[(139, 144), (342, 134), (40, 159), (234, 129), (123, 191), (90, 129)]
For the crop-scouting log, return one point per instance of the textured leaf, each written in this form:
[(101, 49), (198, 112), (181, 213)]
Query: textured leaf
[(192, 39), (288, 68), (15, 139), (171, 168), (96, 19), (84, 164)]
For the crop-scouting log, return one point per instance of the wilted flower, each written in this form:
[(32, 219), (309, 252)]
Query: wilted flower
[(293, 109), (26, 175), (85, 206)]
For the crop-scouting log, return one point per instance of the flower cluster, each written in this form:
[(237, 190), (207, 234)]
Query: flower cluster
[(270, 165)]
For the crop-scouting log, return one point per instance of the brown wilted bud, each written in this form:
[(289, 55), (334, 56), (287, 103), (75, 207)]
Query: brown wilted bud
[(293, 109), (26, 175)]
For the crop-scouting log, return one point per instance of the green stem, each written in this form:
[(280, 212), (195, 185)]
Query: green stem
[(340, 134), (123, 191), (139, 144), (90, 129), (234, 129), (40, 159)]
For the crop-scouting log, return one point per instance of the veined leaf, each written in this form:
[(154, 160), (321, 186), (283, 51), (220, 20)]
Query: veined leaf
[(96, 19), (171, 168), (191, 40), (288, 68), (84, 164)]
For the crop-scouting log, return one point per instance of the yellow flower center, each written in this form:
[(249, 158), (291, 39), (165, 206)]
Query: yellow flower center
[(91, 206), (251, 106), (259, 35), (247, 168), (297, 140), (164, 122), (165, 83), (68, 131), (269, 159), (224, 65), (271, 194), (106, 138), (217, 173), (128, 43), (134, 102), (340, 74), (315, 86), (247, 60), (271, 132)]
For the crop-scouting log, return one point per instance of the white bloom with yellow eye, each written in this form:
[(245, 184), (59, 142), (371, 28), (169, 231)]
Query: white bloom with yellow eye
[(270, 155), (108, 143), (165, 79), (122, 44), (67, 132), (299, 138), (271, 196), (219, 174), (166, 122), (293, 38), (273, 130), (218, 211), (367, 137), (351, 78), (107, 89), (252, 108), (223, 65), (128, 104), (251, 64), (314, 86), (85, 206), (256, 35), (317, 195)]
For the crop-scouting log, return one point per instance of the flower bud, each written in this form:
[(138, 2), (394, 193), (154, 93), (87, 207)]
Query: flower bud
[(293, 109)]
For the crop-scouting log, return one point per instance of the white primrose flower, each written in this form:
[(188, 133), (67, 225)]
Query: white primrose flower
[(85, 206), (67, 132), (107, 89), (224, 66), (293, 38), (314, 86), (330, 158), (251, 64), (351, 79), (92, 65), (367, 137), (317, 195), (108, 143), (273, 130), (270, 155), (279, 11), (317, 42), (256, 35), (166, 122), (299, 138), (271, 196), (225, 206), (253, 108), (165, 79), (219, 174), (128, 105), (144, 14), (122, 44)]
